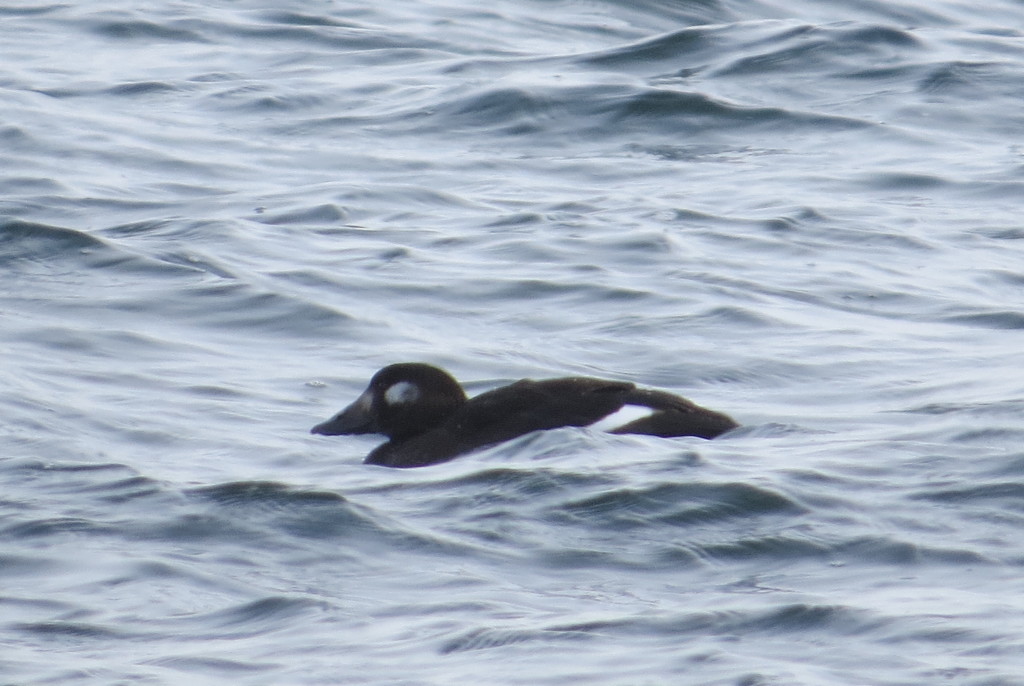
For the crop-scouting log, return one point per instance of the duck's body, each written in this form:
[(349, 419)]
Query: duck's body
[(428, 419)]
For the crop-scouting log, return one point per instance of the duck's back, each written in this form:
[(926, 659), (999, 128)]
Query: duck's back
[(506, 413)]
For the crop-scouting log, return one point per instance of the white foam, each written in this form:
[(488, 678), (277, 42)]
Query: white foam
[(624, 415)]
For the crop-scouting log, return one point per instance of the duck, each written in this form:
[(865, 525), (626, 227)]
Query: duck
[(428, 419)]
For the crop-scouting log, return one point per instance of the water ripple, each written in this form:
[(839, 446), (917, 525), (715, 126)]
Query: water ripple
[(219, 219)]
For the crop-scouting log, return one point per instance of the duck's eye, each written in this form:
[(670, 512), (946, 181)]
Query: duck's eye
[(401, 393)]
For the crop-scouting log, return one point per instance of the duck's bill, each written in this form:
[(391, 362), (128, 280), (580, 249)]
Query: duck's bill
[(354, 419)]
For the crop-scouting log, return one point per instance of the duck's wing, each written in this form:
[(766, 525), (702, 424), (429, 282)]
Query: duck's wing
[(673, 415)]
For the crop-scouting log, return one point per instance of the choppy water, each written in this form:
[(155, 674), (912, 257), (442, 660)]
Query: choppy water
[(218, 219)]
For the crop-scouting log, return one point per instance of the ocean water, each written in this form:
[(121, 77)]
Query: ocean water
[(218, 219)]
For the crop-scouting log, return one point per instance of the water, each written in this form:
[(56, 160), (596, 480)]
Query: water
[(218, 219)]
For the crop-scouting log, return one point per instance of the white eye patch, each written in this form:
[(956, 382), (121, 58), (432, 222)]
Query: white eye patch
[(401, 393), (621, 417)]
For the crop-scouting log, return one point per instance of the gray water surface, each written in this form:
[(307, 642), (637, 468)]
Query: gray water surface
[(218, 219)]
